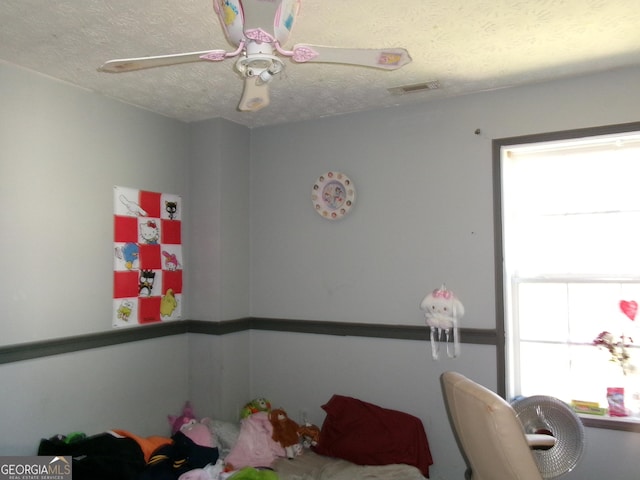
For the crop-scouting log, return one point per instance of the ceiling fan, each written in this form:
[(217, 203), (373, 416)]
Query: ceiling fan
[(259, 29)]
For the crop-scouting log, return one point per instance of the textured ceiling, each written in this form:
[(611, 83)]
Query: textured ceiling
[(466, 45)]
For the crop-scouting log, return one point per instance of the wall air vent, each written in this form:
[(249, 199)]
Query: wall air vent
[(417, 87)]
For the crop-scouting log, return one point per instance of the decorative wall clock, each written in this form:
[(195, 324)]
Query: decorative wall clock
[(333, 195)]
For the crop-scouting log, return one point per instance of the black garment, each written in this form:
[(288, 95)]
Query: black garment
[(100, 457), (170, 461)]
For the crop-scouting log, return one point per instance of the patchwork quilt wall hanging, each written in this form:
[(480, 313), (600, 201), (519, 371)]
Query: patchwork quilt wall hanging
[(147, 254)]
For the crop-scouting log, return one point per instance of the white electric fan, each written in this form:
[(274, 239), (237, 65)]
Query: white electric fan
[(258, 30), (548, 416)]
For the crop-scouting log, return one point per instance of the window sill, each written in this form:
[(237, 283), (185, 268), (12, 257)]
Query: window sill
[(626, 424)]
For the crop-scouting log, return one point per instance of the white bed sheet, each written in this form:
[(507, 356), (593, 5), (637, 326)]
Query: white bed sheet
[(311, 466)]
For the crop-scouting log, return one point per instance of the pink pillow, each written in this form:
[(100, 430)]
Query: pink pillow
[(367, 434)]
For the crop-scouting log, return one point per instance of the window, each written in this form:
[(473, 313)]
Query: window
[(570, 244)]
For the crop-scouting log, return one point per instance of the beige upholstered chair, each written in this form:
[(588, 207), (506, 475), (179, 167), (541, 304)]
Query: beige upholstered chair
[(490, 436)]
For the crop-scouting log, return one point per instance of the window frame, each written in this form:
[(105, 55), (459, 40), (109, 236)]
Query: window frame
[(621, 423)]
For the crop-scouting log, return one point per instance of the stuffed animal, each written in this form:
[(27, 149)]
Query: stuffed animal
[(442, 310), (177, 421), (285, 431), (309, 434), (182, 455), (254, 447), (193, 446), (255, 405), (200, 432), (250, 473)]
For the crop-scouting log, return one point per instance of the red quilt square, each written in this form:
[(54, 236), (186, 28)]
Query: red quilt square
[(172, 280), (171, 232), (150, 203), (125, 284), (125, 229), (150, 258), (149, 309)]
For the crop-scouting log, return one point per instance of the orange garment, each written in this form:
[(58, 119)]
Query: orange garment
[(147, 444)]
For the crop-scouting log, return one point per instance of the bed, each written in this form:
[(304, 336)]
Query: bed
[(311, 466), (357, 440)]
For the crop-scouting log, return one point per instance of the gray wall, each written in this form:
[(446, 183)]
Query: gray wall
[(218, 235), (255, 247), (218, 251), (423, 216), (62, 150)]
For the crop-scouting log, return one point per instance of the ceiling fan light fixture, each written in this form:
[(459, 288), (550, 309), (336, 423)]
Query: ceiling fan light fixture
[(256, 65), (416, 87)]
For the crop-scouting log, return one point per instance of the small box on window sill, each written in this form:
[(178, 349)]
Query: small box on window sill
[(589, 408)]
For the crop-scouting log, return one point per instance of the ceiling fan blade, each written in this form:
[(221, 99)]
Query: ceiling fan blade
[(384, 58), (131, 64), (255, 95), (232, 19), (285, 18)]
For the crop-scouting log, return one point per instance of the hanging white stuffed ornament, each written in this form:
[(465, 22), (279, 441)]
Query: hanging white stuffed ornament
[(442, 310)]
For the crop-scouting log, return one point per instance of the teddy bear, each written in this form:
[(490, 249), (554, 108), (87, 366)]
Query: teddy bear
[(285, 432)]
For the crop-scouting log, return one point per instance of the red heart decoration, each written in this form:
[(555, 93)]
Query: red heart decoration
[(629, 308)]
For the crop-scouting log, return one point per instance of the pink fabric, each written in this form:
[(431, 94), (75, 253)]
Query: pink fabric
[(200, 433), (255, 447)]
